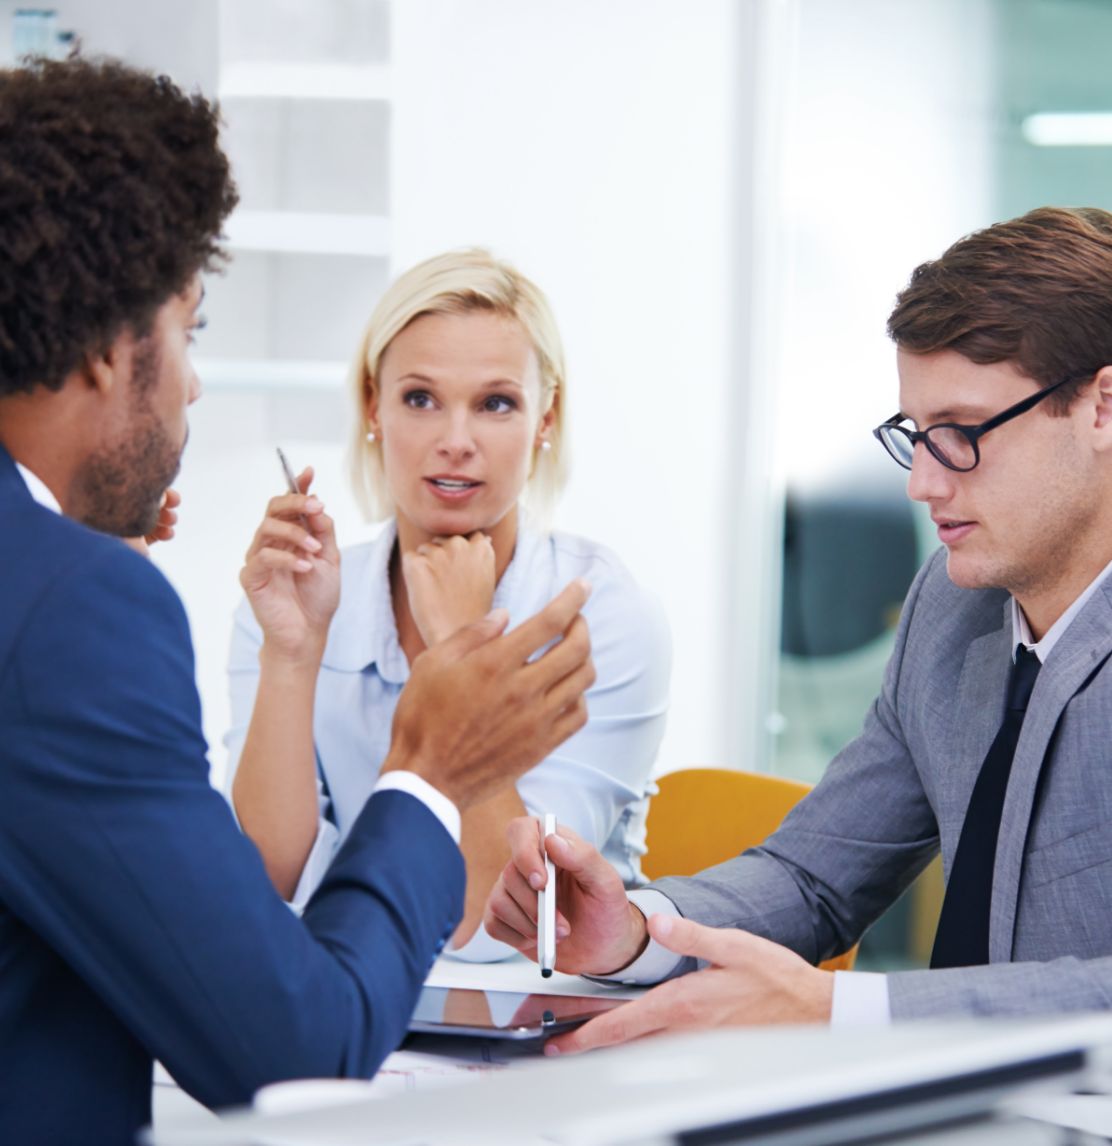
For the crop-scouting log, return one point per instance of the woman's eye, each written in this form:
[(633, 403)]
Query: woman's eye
[(418, 399), (499, 404), (199, 324)]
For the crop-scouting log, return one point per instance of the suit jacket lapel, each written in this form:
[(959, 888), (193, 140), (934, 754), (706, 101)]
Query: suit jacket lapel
[(1079, 652), (978, 710)]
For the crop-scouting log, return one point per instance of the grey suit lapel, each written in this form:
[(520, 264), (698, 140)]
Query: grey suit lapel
[(1079, 651), (978, 711)]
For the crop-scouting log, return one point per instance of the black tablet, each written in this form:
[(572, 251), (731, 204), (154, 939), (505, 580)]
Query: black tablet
[(503, 1014)]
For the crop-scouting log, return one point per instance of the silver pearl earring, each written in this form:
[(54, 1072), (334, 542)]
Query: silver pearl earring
[(546, 445), (370, 435)]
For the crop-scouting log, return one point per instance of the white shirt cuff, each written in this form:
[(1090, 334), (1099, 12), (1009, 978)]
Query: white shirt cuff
[(316, 864), (436, 802), (655, 962), (860, 1000)]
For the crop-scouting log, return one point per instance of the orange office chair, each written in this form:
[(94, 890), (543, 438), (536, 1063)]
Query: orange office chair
[(702, 816)]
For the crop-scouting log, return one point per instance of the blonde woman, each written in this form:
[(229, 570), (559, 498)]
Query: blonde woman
[(459, 400)]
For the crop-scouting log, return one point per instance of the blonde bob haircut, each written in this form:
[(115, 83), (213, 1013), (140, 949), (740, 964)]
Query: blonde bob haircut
[(460, 282)]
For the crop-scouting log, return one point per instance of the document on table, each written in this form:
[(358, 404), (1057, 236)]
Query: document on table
[(403, 1071)]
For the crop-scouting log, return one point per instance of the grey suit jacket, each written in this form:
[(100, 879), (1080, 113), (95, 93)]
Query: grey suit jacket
[(899, 792)]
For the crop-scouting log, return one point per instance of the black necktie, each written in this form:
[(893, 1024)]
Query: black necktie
[(962, 938)]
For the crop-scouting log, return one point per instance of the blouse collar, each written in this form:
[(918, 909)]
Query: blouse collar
[(364, 632)]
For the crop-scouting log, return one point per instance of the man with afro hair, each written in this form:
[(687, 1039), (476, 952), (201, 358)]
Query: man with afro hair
[(136, 921)]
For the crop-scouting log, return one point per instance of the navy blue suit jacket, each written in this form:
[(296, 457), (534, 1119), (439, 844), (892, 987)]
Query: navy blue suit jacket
[(135, 920)]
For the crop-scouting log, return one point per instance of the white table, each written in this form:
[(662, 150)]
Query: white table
[(425, 1062), (826, 1085)]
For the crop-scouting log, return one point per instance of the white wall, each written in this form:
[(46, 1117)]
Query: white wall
[(593, 145), (889, 159)]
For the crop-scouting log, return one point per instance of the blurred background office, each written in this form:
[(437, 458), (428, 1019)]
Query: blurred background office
[(721, 199)]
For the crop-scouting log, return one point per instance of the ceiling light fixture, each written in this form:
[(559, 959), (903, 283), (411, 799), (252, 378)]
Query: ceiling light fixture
[(1068, 129)]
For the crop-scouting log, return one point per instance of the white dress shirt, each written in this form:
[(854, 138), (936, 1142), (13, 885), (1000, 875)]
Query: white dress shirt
[(38, 488)]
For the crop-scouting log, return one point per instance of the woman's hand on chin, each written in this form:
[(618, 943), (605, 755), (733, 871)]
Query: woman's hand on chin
[(450, 583)]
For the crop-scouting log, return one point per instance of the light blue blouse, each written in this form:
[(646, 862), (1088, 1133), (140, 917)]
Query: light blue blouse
[(597, 782)]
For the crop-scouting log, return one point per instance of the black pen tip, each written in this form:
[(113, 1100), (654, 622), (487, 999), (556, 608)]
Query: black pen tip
[(546, 973)]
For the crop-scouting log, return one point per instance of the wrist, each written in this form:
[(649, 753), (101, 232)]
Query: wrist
[(295, 662), (633, 945), (402, 758), (820, 1005)]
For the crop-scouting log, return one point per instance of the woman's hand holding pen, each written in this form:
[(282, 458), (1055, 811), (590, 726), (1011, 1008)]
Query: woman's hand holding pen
[(291, 574), (450, 583)]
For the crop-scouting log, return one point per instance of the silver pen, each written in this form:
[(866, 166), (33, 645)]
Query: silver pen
[(291, 482)]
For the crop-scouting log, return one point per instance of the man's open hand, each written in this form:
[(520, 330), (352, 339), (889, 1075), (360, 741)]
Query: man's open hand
[(477, 712), (750, 982)]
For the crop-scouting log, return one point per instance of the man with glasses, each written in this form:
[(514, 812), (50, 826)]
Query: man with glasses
[(991, 739)]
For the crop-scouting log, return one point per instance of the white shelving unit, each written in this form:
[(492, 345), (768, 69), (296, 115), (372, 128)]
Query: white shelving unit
[(305, 95), (309, 233), (269, 374), (264, 79)]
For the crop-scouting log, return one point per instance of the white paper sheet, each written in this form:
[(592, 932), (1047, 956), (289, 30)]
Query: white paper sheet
[(520, 974)]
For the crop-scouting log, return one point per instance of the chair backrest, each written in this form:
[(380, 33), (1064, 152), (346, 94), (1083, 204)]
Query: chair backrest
[(703, 816)]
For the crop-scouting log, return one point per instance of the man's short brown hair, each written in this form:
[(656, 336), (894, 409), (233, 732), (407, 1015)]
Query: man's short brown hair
[(1035, 291)]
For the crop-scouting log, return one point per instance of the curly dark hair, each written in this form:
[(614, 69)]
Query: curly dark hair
[(1035, 291), (113, 191)]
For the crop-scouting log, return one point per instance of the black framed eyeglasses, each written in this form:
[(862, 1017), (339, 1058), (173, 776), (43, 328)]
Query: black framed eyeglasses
[(955, 446)]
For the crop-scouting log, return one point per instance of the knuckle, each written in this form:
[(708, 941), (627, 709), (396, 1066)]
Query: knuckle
[(581, 638), (580, 716)]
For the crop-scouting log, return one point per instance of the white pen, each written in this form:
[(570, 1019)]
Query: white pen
[(546, 905)]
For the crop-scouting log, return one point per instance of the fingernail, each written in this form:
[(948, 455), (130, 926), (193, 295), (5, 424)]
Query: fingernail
[(562, 932), (551, 1050), (663, 926), (312, 544), (303, 566), (314, 505), (536, 881)]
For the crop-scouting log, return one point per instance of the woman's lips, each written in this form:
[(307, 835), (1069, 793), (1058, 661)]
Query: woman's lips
[(453, 489)]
